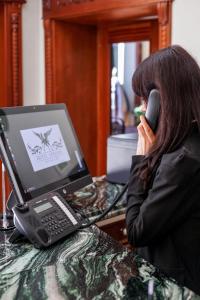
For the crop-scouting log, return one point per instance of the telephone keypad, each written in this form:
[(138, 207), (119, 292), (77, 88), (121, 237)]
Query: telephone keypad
[(57, 222)]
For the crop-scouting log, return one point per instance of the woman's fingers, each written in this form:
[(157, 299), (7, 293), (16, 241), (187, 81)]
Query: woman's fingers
[(141, 130), (141, 140), (147, 129), (146, 137)]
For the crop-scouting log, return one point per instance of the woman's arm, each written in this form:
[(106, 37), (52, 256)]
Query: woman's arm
[(167, 204)]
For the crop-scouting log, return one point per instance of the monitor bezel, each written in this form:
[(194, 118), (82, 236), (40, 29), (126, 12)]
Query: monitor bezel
[(62, 186)]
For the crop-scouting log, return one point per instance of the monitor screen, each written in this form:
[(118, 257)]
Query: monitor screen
[(43, 149)]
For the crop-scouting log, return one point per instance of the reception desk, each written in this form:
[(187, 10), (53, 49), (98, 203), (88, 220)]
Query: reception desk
[(86, 265)]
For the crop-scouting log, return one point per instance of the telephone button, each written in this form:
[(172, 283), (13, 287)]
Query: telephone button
[(59, 216), (64, 191)]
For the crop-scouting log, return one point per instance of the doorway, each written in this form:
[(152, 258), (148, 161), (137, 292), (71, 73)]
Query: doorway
[(124, 104), (78, 39)]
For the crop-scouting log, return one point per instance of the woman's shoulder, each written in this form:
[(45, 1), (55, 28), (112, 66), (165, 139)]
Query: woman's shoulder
[(187, 156)]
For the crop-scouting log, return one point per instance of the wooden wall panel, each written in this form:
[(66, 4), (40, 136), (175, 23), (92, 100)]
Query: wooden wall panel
[(11, 53), (103, 97), (164, 17), (10, 58), (74, 81), (49, 63), (1, 53)]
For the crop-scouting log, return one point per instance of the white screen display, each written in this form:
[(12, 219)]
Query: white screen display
[(43, 207), (45, 146)]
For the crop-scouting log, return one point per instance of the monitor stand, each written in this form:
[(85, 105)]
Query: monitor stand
[(11, 202), (8, 222)]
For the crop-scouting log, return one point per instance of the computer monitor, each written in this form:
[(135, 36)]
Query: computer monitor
[(43, 150)]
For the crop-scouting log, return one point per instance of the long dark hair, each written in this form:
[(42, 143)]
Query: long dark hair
[(176, 75)]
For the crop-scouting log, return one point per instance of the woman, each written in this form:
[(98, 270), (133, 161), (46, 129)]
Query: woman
[(163, 200)]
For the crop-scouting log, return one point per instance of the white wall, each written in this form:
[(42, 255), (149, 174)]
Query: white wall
[(185, 26), (33, 53)]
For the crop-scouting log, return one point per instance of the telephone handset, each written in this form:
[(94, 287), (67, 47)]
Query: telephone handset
[(45, 219), (153, 109)]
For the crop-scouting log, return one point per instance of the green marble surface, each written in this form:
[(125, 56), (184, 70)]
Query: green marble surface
[(95, 198), (87, 265)]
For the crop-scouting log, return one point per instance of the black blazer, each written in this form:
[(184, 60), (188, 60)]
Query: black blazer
[(164, 222)]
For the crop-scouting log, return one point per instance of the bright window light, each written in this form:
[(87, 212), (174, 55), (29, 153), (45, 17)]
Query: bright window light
[(121, 47)]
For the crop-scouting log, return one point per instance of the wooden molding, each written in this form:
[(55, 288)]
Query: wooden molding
[(46, 5), (48, 61), (13, 1), (111, 220), (10, 58), (15, 58), (61, 3), (103, 92), (164, 9), (11, 51), (114, 8)]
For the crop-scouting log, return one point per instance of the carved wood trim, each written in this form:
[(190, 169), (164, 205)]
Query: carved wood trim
[(13, 1), (12, 53), (103, 92), (70, 8), (15, 57), (11, 63), (60, 3), (48, 61), (164, 19), (46, 4)]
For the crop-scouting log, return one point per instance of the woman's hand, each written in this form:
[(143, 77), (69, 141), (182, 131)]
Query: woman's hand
[(146, 137)]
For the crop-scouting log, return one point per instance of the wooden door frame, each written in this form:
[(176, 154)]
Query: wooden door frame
[(11, 59), (137, 31), (117, 33), (110, 17), (12, 52)]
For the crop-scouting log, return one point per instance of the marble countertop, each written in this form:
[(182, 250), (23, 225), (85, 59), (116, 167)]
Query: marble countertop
[(95, 198), (87, 265)]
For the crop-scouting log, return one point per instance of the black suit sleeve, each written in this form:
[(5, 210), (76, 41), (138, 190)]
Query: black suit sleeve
[(150, 215)]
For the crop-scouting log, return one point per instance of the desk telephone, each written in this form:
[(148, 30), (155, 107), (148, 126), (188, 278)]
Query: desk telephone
[(45, 219)]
